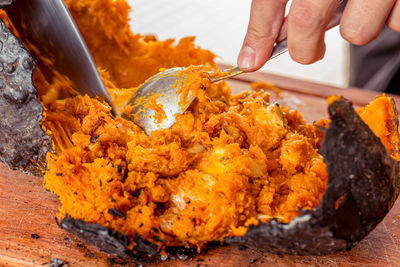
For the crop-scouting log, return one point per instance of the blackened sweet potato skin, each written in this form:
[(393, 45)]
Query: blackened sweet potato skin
[(23, 142), (363, 185), (115, 243), (107, 240)]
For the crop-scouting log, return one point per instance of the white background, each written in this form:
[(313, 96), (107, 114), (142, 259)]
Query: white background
[(220, 26)]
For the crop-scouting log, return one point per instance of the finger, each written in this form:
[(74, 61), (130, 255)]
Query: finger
[(363, 20), (283, 33), (393, 21), (307, 22), (266, 18)]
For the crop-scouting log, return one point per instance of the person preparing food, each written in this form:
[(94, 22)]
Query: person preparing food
[(372, 27)]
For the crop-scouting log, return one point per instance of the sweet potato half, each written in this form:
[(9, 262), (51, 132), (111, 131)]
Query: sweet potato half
[(363, 184), (234, 169)]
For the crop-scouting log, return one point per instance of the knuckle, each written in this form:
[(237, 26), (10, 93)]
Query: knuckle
[(256, 34), (393, 21), (304, 17), (305, 60), (304, 57), (356, 34), (395, 26)]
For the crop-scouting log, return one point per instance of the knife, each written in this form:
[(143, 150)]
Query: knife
[(48, 25)]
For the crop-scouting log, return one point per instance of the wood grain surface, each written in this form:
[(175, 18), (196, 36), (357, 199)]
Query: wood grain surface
[(29, 235)]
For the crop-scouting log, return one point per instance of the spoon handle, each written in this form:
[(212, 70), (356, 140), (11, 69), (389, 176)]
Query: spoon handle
[(231, 73), (281, 44)]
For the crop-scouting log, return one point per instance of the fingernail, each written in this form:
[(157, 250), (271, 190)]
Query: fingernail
[(247, 58)]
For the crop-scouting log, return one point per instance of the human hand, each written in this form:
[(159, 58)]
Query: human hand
[(361, 23)]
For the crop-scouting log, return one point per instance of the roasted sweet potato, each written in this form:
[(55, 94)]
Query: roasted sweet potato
[(235, 169)]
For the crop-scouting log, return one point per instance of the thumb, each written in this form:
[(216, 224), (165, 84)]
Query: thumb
[(266, 17)]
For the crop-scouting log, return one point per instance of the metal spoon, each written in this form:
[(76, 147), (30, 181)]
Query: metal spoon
[(164, 85)]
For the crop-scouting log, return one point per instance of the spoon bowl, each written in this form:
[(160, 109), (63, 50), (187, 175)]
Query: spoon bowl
[(164, 87)]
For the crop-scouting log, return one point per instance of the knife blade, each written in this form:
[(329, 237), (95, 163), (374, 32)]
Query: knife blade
[(48, 25)]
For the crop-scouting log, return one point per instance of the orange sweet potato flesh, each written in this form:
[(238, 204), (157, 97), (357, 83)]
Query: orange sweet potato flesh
[(129, 58), (228, 162), (381, 117)]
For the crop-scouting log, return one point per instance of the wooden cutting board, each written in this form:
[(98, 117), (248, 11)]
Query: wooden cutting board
[(29, 235)]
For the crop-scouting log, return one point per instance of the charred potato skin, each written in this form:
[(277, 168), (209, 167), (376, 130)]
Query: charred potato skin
[(107, 240), (363, 184), (23, 142), (113, 242)]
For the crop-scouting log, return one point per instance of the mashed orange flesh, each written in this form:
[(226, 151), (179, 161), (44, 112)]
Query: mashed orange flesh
[(228, 162)]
